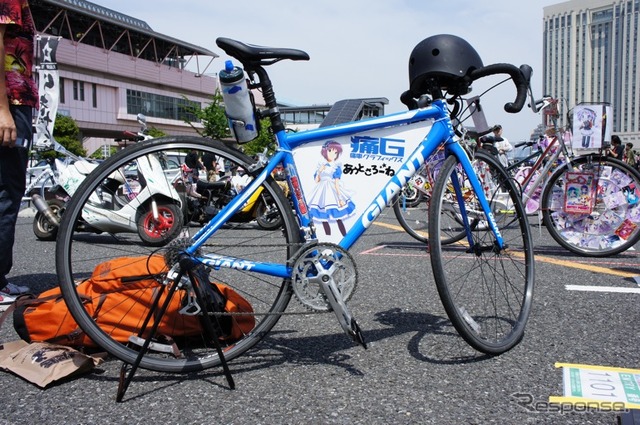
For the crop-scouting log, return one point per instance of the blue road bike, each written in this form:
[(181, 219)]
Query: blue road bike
[(340, 179)]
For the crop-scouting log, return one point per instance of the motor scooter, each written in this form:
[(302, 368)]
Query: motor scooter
[(213, 196), (141, 202)]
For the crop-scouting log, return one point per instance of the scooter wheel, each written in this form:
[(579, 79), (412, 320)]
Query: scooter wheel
[(159, 232), (44, 230), (268, 218)]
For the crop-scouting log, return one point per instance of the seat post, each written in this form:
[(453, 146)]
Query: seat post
[(269, 99)]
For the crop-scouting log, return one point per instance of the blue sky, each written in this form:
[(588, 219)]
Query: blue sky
[(360, 48)]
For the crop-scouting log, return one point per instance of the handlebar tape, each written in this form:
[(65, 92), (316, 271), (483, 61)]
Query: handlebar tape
[(519, 80), (408, 100)]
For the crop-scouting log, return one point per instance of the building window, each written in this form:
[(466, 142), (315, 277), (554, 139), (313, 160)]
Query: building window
[(61, 81), (78, 90), (159, 106), (94, 94)]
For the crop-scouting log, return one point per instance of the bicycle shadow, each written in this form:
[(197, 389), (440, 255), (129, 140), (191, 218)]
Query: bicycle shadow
[(557, 251), (335, 350)]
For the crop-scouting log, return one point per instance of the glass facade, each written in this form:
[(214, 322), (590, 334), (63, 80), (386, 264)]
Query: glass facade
[(159, 106)]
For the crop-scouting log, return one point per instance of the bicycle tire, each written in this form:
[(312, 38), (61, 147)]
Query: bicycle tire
[(78, 253), (411, 206), (415, 220), (613, 225), (489, 301), (412, 217)]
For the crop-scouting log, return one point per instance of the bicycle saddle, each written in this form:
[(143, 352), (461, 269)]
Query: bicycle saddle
[(218, 186), (249, 53)]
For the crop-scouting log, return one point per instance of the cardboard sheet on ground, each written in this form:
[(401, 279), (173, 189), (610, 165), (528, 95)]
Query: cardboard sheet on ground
[(599, 386), (42, 363)]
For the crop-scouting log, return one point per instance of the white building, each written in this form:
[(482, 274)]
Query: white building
[(591, 56)]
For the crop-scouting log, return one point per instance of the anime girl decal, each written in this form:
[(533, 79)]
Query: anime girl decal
[(587, 121), (330, 202)]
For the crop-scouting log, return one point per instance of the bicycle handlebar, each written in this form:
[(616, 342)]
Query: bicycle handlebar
[(527, 143), (538, 105), (520, 76)]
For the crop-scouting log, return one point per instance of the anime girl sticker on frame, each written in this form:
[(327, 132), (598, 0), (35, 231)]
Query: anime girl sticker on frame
[(330, 202)]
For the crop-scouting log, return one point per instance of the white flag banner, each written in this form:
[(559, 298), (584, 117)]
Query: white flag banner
[(48, 90)]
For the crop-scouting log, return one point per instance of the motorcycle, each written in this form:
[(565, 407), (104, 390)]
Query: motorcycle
[(126, 202), (203, 200)]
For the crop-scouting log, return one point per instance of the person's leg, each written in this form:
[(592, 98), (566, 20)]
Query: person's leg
[(327, 228), (13, 166)]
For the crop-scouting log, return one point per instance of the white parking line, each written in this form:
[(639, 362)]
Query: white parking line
[(602, 289)]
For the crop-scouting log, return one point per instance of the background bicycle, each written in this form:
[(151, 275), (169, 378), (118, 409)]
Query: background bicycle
[(589, 202), (609, 225)]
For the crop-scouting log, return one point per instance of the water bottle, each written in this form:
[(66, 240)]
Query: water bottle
[(237, 103)]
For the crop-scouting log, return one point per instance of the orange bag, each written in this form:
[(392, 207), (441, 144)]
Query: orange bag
[(118, 296)]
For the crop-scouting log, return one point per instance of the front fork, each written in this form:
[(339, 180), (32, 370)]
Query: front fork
[(465, 161)]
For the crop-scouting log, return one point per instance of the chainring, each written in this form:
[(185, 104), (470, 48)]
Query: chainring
[(318, 261)]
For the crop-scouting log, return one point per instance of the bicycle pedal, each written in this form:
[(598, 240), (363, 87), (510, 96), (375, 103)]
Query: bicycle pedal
[(356, 333)]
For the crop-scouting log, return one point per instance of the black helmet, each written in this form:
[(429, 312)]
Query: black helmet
[(442, 60)]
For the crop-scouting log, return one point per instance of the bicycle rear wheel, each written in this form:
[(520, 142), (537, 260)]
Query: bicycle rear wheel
[(411, 205), (486, 291), (79, 251), (608, 225)]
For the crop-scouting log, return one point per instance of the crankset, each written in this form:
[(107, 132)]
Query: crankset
[(324, 278)]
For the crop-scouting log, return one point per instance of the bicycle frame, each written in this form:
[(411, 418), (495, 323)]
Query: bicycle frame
[(544, 155), (434, 119)]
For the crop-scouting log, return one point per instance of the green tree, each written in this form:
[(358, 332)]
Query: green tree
[(99, 153), (265, 140), (212, 117), (216, 126), (156, 132)]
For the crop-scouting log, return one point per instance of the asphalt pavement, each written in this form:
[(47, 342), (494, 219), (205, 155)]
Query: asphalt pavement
[(416, 369)]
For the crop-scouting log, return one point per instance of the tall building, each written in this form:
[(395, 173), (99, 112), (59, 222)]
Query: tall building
[(590, 54)]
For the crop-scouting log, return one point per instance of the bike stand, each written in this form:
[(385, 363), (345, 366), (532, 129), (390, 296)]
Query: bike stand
[(125, 379)]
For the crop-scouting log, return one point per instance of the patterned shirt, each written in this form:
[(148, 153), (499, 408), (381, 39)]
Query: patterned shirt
[(18, 43)]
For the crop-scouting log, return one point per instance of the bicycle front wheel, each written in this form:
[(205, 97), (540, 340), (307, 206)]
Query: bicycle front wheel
[(95, 229), (604, 222), (411, 211), (486, 290)]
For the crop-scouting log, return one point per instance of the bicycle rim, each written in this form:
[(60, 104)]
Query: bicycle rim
[(79, 251), (486, 292), (411, 205), (413, 219), (610, 224)]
